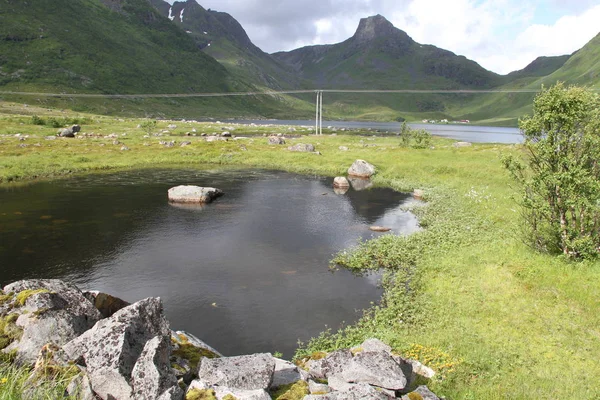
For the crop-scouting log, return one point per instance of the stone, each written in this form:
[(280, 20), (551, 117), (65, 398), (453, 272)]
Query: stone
[(67, 132), (215, 139), (462, 144), (375, 345), (124, 148), (340, 182), (422, 391), (81, 389), (193, 194), (276, 140), (249, 372), (111, 349), (221, 392), (105, 303), (194, 341), (226, 134), (152, 376), (376, 228), (51, 312), (361, 169), (418, 194), (332, 364), (376, 368), (352, 392), (359, 184), (76, 128), (285, 373), (172, 126), (319, 388), (343, 148), (305, 148), (421, 369), (184, 144)]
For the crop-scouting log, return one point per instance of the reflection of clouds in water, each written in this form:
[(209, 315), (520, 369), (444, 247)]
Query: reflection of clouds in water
[(400, 220)]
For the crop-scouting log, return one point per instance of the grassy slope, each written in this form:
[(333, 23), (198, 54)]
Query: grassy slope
[(524, 324)]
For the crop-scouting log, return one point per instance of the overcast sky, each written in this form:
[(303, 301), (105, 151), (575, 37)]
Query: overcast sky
[(501, 35)]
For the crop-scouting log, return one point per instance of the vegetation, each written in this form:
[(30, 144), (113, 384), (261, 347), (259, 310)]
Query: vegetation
[(560, 177), (15, 384), (466, 295)]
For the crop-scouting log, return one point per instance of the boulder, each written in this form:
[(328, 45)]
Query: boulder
[(111, 349), (318, 388), (305, 148), (359, 184), (193, 194), (251, 372), (285, 373), (376, 368), (67, 132), (374, 345), (276, 140), (215, 139), (226, 134), (332, 364), (340, 182), (462, 144), (423, 392), (152, 377), (197, 388), (50, 311), (76, 128), (361, 169), (105, 303), (352, 392)]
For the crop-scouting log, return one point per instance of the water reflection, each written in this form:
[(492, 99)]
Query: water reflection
[(246, 273)]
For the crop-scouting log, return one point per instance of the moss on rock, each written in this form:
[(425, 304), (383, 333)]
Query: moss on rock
[(25, 294), (200, 394), (191, 353), (292, 391), (9, 331)]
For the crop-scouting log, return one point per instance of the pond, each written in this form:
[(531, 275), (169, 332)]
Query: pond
[(247, 273)]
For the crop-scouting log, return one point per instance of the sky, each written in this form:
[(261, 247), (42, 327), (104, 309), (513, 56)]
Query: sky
[(501, 35)]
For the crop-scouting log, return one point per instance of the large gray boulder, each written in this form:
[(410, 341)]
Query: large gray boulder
[(285, 373), (225, 393), (361, 169), (67, 132), (111, 349), (304, 148), (376, 368), (193, 194), (152, 377), (276, 140), (334, 363), (250, 372), (50, 312)]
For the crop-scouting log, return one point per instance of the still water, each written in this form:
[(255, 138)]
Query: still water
[(247, 273), (465, 132)]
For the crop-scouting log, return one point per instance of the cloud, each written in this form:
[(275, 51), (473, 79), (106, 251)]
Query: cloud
[(501, 35)]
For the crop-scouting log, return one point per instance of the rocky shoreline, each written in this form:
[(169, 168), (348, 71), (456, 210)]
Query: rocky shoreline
[(113, 350)]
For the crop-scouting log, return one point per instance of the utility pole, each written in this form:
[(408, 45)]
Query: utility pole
[(319, 113)]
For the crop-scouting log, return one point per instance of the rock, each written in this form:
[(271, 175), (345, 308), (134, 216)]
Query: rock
[(332, 364), (184, 144), (352, 392), (193, 194), (105, 303), (376, 228), (462, 144), (111, 349), (340, 182), (343, 148), (285, 373), (276, 140), (305, 148), (340, 191), (421, 369), (51, 311), (376, 368), (215, 139), (221, 392), (318, 388), (203, 134), (418, 194), (67, 132), (361, 169), (423, 392), (124, 148), (359, 184), (76, 128), (250, 372), (194, 341), (152, 377), (225, 134), (172, 126), (375, 345), (81, 389)]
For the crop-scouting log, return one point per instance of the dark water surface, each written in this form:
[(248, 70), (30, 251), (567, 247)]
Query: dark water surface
[(466, 132), (247, 273)]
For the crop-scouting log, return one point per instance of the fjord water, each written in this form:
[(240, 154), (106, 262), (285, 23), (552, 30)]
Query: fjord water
[(247, 273)]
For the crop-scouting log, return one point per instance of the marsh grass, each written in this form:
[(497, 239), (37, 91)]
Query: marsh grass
[(513, 323)]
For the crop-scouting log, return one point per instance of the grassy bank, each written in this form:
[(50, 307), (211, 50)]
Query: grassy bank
[(496, 319)]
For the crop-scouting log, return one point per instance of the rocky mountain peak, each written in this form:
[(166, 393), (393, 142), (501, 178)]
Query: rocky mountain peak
[(374, 27)]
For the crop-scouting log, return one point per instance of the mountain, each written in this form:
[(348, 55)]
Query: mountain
[(221, 36), (540, 67), (381, 56), (107, 46)]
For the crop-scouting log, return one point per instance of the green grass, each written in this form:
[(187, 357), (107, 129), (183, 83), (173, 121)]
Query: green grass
[(14, 385), (498, 319)]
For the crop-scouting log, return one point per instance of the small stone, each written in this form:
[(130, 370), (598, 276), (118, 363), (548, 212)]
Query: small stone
[(376, 228), (193, 194), (343, 148), (340, 182)]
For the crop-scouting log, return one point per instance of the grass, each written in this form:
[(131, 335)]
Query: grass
[(14, 385), (465, 295)]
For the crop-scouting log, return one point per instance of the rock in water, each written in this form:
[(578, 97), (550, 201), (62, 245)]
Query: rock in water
[(193, 194), (341, 182), (361, 169), (380, 229), (305, 148)]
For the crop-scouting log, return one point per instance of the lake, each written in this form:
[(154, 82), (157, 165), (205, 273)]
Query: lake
[(247, 273), (464, 132)]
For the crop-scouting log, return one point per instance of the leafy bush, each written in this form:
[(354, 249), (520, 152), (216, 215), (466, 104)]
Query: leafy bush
[(559, 174), (59, 122), (415, 138)]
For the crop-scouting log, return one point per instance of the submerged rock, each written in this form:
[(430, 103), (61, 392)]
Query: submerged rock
[(361, 169), (340, 182), (193, 194)]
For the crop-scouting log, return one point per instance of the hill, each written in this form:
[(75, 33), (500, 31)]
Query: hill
[(222, 37)]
